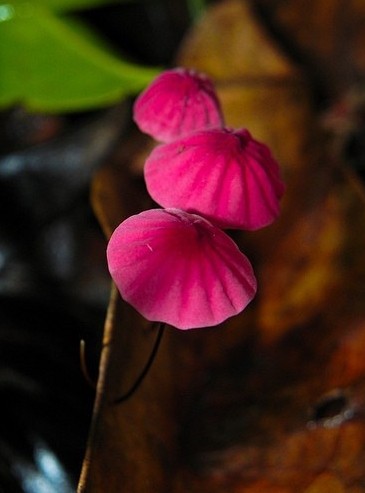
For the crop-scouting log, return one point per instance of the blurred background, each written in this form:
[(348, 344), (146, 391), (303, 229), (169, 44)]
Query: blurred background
[(69, 72)]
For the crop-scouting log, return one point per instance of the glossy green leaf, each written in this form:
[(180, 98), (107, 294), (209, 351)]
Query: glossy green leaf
[(49, 66)]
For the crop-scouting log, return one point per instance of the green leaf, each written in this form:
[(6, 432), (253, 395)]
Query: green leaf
[(48, 66)]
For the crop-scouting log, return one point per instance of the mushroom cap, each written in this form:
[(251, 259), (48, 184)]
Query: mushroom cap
[(178, 268)]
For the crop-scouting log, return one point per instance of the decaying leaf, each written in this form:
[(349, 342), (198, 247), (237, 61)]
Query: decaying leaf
[(273, 400), (326, 36), (260, 88)]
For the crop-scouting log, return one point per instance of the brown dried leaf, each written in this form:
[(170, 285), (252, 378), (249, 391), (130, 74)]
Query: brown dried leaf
[(327, 36), (273, 401), (260, 88)]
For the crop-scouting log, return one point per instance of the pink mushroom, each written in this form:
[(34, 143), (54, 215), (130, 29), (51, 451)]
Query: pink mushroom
[(177, 103), (222, 174), (178, 268)]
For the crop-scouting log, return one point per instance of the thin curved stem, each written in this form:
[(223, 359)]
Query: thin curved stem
[(146, 368), (83, 365)]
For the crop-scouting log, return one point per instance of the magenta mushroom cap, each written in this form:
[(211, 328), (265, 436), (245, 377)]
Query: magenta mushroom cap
[(177, 103), (222, 174), (178, 268)]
